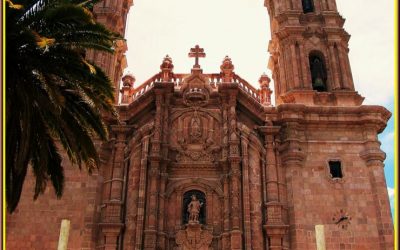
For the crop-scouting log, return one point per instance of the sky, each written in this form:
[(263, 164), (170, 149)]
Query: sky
[(240, 29)]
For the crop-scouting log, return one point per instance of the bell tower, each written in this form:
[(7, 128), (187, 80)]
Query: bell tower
[(309, 54)]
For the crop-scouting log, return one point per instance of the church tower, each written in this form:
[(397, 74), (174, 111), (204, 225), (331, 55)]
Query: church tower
[(113, 15), (309, 54)]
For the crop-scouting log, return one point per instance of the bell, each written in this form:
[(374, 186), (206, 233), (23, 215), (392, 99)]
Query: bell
[(319, 85)]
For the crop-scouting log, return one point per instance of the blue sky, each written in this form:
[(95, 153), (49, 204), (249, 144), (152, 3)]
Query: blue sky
[(158, 27), (387, 139)]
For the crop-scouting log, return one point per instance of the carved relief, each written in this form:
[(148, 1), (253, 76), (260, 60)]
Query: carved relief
[(195, 128), (196, 90), (194, 238), (195, 139)]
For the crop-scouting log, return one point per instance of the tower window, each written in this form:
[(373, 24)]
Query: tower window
[(308, 6), (318, 72), (335, 169)]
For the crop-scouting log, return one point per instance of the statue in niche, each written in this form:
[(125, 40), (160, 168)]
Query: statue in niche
[(195, 129), (194, 209), (318, 73)]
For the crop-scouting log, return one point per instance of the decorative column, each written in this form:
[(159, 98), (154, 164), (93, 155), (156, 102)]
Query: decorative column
[(161, 243), (275, 229), (282, 190), (166, 68), (150, 239), (305, 68), (246, 187), (225, 178), (111, 220), (292, 157), (255, 151), (296, 75), (225, 215), (347, 82), (350, 74), (111, 235), (142, 193), (335, 66), (235, 173)]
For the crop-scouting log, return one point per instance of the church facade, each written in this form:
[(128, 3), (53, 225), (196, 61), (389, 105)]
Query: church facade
[(202, 161)]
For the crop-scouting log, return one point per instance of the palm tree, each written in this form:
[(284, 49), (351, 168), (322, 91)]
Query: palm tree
[(55, 98)]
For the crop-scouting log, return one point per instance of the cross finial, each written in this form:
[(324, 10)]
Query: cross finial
[(197, 52)]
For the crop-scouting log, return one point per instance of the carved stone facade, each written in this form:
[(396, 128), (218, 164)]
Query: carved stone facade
[(261, 173)]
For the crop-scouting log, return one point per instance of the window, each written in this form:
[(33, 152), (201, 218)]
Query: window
[(318, 71), (308, 6), (335, 168)]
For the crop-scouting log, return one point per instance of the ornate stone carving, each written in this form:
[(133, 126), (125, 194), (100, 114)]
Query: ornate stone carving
[(194, 210), (196, 90), (194, 238), (227, 70), (196, 128), (196, 136), (166, 69)]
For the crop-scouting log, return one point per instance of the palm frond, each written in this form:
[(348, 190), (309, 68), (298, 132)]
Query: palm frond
[(54, 96)]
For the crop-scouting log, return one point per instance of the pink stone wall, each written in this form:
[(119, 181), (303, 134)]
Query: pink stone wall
[(36, 224)]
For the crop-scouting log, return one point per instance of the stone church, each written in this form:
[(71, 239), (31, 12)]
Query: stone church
[(204, 161)]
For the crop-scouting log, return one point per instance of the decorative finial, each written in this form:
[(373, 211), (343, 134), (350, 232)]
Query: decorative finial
[(128, 80), (166, 69), (264, 80), (265, 91), (197, 52), (227, 69), (127, 89)]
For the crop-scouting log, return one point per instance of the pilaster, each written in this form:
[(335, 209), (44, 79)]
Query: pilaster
[(153, 188), (374, 158), (111, 221), (275, 228)]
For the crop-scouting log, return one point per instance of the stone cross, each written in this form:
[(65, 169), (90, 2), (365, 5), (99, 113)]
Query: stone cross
[(197, 52)]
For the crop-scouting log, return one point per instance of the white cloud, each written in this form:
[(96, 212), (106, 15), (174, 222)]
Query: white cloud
[(387, 142), (391, 193)]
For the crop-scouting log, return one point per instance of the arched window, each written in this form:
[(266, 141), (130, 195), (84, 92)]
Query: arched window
[(308, 6), (318, 72), (187, 198)]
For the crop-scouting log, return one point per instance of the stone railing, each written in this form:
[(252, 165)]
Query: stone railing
[(146, 86), (214, 79), (246, 87)]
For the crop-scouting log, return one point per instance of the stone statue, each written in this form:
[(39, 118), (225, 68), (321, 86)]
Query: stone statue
[(195, 127), (194, 209)]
